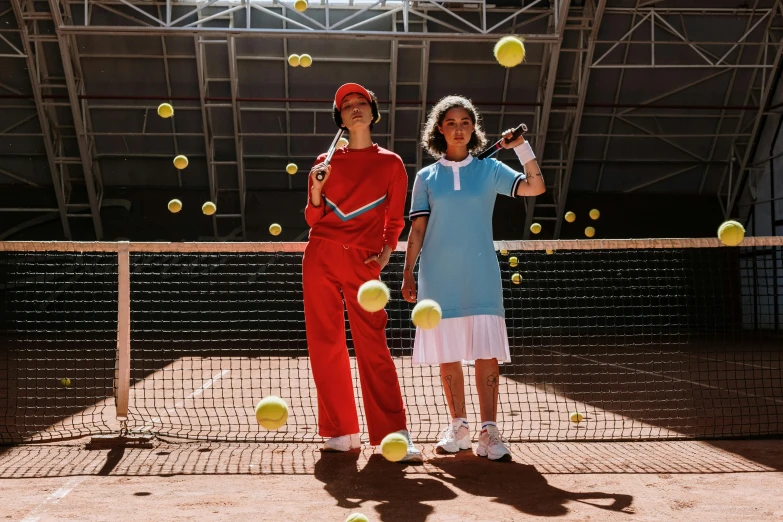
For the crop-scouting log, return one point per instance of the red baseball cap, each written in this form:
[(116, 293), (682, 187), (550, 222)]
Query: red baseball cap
[(347, 89)]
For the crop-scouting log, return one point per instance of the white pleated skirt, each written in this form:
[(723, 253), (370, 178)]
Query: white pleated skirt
[(463, 339)]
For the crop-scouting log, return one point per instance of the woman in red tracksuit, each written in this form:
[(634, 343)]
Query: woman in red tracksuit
[(356, 217)]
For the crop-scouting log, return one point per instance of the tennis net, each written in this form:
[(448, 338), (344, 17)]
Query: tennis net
[(648, 339)]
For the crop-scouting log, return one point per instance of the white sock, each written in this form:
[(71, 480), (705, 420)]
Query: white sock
[(484, 424), (463, 420)]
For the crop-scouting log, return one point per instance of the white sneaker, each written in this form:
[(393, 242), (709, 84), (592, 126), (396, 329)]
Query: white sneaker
[(454, 438), (413, 455), (491, 445), (343, 443)]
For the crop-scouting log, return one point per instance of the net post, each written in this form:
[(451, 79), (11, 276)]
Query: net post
[(122, 388)]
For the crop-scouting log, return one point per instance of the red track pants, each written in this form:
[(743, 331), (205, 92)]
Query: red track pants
[(331, 274)]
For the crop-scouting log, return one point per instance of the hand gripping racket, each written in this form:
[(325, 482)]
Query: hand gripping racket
[(321, 174), (492, 149)]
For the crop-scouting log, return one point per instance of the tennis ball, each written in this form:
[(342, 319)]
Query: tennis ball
[(516, 278), (175, 206), (293, 60), (549, 251), (731, 233), (426, 314), (300, 5), (509, 51), (576, 417), (272, 412), (373, 295), (394, 447), (181, 162), (504, 252), (275, 229), (342, 142), (165, 110), (513, 261), (357, 517), (305, 60), (291, 168), (65, 381), (570, 216), (535, 228), (208, 208), (589, 231), (595, 214)]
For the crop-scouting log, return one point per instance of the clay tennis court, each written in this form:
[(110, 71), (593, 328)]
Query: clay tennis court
[(672, 364)]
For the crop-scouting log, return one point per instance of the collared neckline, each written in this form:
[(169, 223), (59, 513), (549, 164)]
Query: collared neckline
[(452, 164)]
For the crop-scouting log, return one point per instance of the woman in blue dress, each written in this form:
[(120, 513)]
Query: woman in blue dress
[(451, 213)]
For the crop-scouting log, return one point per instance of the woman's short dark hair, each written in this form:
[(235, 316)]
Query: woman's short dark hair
[(435, 143), (373, 106)]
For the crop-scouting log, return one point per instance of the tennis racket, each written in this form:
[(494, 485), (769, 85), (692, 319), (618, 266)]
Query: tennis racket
[(321, 174), (492, 149)]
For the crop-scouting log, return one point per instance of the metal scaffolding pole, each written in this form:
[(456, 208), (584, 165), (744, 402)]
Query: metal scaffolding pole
[(46, 115), (75, 87), (238, 143), (206, 122), (577, 121), (542, 130)]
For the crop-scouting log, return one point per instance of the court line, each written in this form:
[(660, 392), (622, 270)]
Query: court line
[(54, 498), (198, 391), (779, 401), (733, 362)]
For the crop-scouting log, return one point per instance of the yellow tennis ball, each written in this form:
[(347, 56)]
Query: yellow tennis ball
[(549, 251), (731, 233), (342, 142), (535, 228), (293, 60), (589, 231), (305, 60), (394, 447), (504, 252), (272, 412), (291, 168), (275, 229), (513, 261), (426, 314), (357, 517), (300, 5), (509, 51), (576, 417), (181, 162), (373, 295), (165, 110), (570, 216), (175, 206), (65, 381), (208, 208), (595, 214), (516, 278)]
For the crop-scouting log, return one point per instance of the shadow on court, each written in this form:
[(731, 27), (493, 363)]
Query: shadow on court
[(403, 495), (520, 486), (400, 496)]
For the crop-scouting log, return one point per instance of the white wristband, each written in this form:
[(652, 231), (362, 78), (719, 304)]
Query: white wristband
[(524, 152)]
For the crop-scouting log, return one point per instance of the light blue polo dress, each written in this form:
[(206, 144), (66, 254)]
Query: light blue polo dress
[(458, 267)]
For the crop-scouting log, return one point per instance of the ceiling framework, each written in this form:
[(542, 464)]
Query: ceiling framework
[(619, 95)]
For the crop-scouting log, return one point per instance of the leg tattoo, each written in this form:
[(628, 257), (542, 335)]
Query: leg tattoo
[(492, 382)]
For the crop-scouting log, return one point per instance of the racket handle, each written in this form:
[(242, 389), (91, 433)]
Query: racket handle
[(320, 175)]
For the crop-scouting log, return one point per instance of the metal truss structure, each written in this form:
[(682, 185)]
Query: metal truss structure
[(613, 79)]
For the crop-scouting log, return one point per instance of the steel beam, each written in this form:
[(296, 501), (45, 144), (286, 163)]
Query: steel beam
[(583, 84), (44, 114), (75, 89), (542, 130)]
